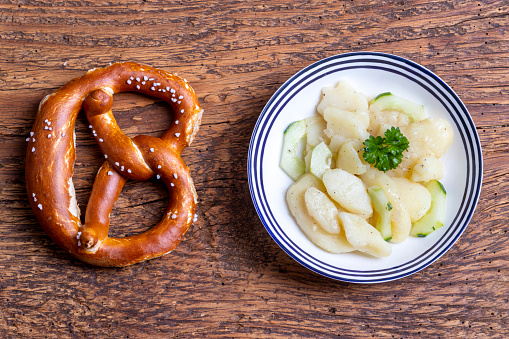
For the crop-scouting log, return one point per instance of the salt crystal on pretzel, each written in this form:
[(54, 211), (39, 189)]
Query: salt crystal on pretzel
[(50, 161)]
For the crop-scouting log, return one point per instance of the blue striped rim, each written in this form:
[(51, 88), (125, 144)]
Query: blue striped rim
[(411, 71)]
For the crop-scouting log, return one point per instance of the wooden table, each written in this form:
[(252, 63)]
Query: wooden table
[(228, 278)]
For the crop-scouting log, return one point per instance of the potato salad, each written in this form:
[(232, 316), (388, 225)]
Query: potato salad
[(368, 173)]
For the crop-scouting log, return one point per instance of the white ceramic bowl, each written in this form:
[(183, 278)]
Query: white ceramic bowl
[(371, 73)]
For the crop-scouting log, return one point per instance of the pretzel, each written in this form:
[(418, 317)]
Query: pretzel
[(51, 155)]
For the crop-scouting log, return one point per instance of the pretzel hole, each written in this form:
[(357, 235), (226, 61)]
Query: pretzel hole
[(140, 206), (137, 114)]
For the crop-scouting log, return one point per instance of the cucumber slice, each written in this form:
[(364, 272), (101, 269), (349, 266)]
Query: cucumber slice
[(321, 158), (434, 218), (389, 101), (383, 208), (290, 162)]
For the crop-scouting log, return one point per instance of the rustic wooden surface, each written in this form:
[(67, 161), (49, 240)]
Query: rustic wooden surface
[(228, 278)]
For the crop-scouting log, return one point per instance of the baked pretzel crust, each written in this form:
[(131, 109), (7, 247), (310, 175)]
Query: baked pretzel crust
[(51, 155)]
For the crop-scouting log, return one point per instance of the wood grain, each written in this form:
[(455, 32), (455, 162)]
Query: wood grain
[(228, 278)]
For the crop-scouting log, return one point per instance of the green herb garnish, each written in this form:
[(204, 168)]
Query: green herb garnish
[(385, 153)]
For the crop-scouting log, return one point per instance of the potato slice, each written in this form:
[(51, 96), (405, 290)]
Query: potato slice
[(428, 139), (364, 237), (307, 153), (415, 196), (349, 191), (344, 96), (349, 158), (380, 121), (335, 144), (426, 169), (346, 124), (295, 197), (314, 130), (429, 135), (322, 209)]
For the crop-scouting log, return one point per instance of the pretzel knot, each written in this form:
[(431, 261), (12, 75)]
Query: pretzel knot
[(51, 155)]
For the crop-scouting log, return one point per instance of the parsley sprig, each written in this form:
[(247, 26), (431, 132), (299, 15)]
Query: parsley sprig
[(385, 153)]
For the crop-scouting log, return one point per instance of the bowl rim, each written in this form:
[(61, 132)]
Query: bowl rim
[(426, 258)]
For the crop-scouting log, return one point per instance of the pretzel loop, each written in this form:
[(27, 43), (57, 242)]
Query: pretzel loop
[(50, 161)]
